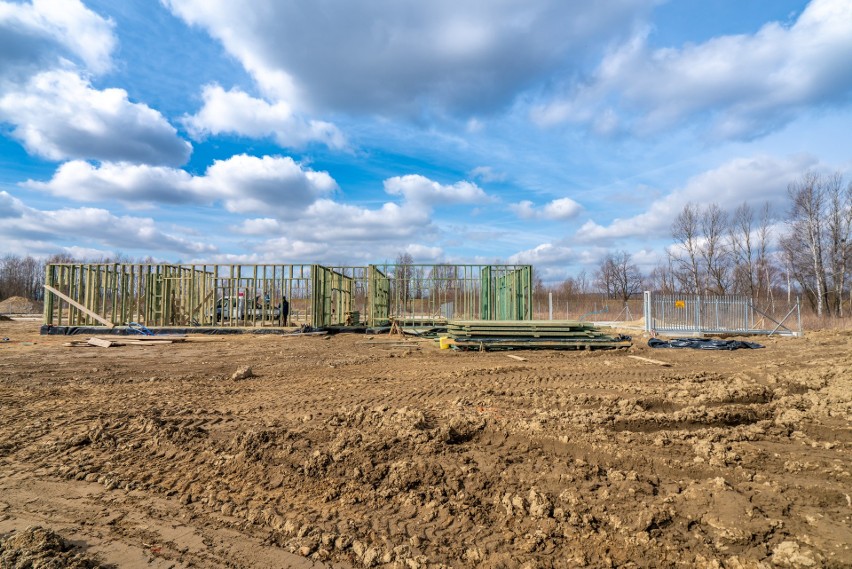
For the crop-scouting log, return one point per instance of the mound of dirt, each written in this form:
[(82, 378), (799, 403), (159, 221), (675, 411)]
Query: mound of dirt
[(41, 547), (18, 305)]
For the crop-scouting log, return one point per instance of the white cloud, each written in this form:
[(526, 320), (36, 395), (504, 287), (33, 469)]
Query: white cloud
[(58, 115), (754, 180), (545, 254), (32, 228), (81, 181), (271, 183), (418, 189), (424, 253), (558, 210), (243, 183), (487, 174), (401, 56), (295, 201), (748, 84), (259, 226), (236, 112), (49, 50), (300, 250), (43, 33)]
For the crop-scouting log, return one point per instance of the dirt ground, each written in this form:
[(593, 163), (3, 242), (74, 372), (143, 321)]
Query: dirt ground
[(350, 452)]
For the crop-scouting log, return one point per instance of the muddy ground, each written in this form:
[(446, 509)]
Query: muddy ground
[(354, 452)]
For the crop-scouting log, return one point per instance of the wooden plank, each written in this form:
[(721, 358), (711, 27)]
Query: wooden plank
[(650, 361), (80, 307), (102, 343), (514, 357)]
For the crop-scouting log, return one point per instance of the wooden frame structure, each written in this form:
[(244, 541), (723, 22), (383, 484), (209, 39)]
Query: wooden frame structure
[(252, 296)]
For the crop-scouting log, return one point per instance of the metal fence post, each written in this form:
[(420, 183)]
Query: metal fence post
[(646, 309)]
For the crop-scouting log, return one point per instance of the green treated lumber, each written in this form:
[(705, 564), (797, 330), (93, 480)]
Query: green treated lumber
[(80, 307)]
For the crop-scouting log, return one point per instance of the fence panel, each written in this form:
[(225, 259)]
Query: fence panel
[(725, 314)]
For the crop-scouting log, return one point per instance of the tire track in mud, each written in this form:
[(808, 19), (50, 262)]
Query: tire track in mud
[(432, 458)]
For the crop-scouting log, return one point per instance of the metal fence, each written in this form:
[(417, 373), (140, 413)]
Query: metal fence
[(714, 314)]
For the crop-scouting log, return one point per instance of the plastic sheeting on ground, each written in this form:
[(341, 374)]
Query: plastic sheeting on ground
[(702, 344)]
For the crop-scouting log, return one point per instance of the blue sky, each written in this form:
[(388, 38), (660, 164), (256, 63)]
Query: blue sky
[(546, 132)]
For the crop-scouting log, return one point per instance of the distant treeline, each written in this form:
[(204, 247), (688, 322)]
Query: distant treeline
[(24, 276), (768, 257), (805, 251)]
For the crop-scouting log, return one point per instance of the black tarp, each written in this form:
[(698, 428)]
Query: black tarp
[(702, 344)]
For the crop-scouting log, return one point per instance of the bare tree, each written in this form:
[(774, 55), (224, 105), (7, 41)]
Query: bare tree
[(582, 281), (839, 233), (806, 242), (743, 250), (21, 276), (402, 278), (618, 277), (443, 279), (686, 256), (662, 277), (764, 268), (713, 248)]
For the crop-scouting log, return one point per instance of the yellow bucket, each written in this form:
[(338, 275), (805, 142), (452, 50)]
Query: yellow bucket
[(445, 342)]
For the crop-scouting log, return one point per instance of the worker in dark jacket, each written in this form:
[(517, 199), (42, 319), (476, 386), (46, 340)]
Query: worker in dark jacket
[(285, 312)]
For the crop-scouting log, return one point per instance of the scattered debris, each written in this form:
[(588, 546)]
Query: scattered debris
[(514, 357)]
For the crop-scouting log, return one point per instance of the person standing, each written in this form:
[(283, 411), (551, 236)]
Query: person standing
[(285, 311)]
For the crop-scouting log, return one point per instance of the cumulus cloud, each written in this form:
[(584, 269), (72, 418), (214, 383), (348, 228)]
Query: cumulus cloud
[(347, 223), (401, 56), (556, 210), (418, 189), (81, 181), (271, 183), (293, 199), (45, 33), (755, 180), (58, 115), (545, 254), (237, 112), (303, 250), (49, 50), (747, 84), (33, 228), (243, 183)]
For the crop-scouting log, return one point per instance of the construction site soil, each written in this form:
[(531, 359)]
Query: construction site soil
[(347, 451)]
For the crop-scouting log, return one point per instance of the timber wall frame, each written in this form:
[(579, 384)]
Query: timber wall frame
[(250, 296)]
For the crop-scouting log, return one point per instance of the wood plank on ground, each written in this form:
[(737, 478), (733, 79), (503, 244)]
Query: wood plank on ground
[(650, 361)]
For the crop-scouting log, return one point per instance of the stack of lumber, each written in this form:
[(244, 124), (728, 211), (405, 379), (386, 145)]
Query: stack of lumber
[(513, 334)]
